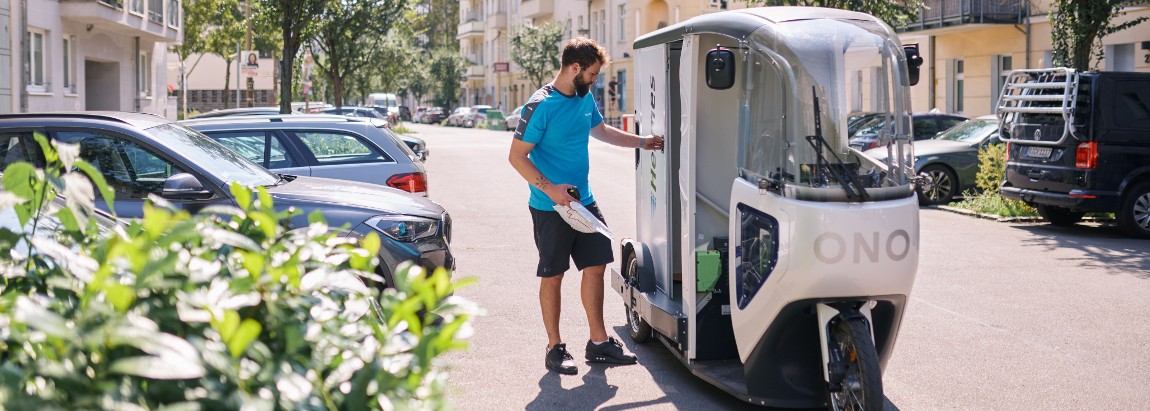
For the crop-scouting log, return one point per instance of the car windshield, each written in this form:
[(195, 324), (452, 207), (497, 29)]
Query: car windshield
[(211, 156), (972, 131)]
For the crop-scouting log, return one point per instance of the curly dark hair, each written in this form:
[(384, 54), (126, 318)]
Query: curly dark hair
[(585, 52)]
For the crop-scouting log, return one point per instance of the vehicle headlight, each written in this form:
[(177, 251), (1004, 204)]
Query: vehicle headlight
[(404, 228)]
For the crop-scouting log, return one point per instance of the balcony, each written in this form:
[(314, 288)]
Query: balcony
[(496, 21), (532, 9), (475, 72), (153, 20), (471, 28), (950, 14)]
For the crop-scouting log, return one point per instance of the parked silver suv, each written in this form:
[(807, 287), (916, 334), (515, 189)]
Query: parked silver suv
[(321, 146)]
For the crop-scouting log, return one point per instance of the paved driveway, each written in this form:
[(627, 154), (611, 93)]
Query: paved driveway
[(1002, 316)]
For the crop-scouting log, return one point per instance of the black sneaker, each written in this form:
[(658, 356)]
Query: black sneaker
[(560, 361), (609, 352)]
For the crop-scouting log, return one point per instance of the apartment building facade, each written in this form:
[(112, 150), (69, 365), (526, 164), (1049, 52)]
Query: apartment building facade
[(493, 79), (969, 47), (73, 55)]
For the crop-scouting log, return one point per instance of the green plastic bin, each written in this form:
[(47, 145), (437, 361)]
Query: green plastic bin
[(707, 270)]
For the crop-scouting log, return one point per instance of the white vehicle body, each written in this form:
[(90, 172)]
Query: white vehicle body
[(813, 232)]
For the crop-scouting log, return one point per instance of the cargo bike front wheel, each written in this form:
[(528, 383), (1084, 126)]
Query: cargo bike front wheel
[(855, 378)]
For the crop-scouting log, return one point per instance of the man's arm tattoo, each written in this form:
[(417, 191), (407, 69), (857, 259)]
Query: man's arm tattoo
[(542, 183)]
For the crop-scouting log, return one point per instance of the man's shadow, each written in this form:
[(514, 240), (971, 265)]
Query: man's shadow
[(594, 392)]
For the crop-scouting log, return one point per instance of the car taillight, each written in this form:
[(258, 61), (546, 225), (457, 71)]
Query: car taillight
[(1087, 155), (410, 182)]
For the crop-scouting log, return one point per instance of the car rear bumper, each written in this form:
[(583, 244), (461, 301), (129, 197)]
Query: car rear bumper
[(1099, 201)]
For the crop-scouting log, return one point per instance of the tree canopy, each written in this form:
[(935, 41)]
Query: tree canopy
[(893, 12), (1078, 26), (536, 50)]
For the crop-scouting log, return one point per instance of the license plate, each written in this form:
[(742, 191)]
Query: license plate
[(1039, 152)]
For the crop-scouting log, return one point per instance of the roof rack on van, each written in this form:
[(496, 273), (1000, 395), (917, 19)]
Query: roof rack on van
[(1038, 91)]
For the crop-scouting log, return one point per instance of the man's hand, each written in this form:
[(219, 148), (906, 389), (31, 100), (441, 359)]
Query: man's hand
[(652, 142), (558, 194)]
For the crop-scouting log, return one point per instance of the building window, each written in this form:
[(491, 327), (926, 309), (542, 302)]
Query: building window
[(144, 77), (1001, 66), (174, 13), (70, 64), (1119, 57), (156, 11), (959, 82), (622, 23), (137, 6), (621, 88), (36, 69)]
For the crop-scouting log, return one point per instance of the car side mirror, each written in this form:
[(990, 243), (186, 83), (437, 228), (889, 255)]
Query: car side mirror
[(913, 62), (720, 68), (184, 186)]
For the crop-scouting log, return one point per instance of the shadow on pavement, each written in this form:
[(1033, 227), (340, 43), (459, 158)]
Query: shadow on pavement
[(594, 392), (1104, 245)]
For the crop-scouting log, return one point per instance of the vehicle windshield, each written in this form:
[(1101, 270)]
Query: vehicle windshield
[(215, 159), (972, 131), (825, 70)]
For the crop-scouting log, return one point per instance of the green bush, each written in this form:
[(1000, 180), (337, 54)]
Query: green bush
[(223, 310), (403, 130), (991, 169)]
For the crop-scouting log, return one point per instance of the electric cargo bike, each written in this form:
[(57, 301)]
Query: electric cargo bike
[(769, 256)]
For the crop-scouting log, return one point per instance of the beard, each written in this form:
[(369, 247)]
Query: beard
[(581, 88)]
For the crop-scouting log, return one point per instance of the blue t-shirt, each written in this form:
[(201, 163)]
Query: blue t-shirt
[(559, 125)]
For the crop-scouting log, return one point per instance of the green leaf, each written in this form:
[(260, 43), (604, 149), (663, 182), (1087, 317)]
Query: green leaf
[(316, 217), (22, 180), (230, 325), (254, 263), (232, 238), (40, 318), (264, 222), (247, 332), (50, 155), (69, 220), (371, 243), (242, 195), (69, 153), (101, 184), (120, 296), (159, 368), (265, 200)]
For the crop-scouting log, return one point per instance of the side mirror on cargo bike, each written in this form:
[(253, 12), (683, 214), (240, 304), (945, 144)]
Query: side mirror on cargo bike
[(913, 62), (720, 68)]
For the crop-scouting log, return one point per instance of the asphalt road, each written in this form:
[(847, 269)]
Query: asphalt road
[(1002, 315)]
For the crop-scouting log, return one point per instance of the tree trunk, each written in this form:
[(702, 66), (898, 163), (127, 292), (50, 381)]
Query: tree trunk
[(287, 70), (227, 82)]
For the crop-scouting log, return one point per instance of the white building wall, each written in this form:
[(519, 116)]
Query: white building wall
[(106, 44)]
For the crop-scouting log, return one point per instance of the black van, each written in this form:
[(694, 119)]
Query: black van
[(1079, 142)]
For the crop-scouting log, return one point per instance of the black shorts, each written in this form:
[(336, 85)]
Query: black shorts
[(558, 243)]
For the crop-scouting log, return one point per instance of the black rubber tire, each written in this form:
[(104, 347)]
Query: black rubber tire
[(638, 328), (1134, 217), (1060, 216), (853, 335), (941, 188)]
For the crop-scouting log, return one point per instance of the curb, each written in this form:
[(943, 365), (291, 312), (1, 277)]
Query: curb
[(1001, 219), (995, 217)]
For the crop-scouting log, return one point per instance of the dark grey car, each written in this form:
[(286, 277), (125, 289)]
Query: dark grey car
[(142, 154), (947, 164)]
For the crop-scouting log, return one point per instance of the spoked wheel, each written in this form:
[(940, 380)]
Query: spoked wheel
[(637, 327), (856, 382), (939, 185), (1134, 217)]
